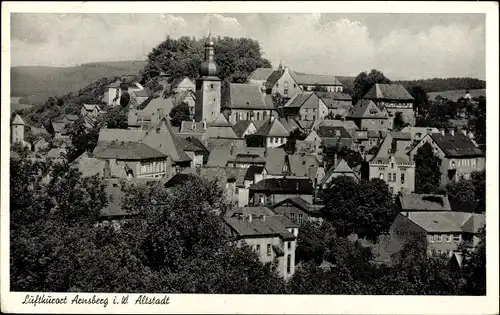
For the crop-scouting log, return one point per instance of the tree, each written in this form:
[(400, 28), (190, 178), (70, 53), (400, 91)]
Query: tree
[(462, 190), (117, 118), (179, 113), (124, 99), (399, 122), (474, 268), (353, 158), (427, 170), (84, 139), (364, 82), (315, 240), (236, 58), (366, 208), (254, 141), (421, 103), (291, 144)]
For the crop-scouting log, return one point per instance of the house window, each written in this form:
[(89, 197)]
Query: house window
[(449, 238), (294, 85), (261, 200), (300, 220), (381, 176), (257, 248), (391, 189), (248, 116), (430, 238), (473, 162), (285, 91), (288, 263), (258, 116), (264, 115), (268, 249), (236, 190), (393, 177), (277, 85), (212, 86), (456, 238), (392, 165), (402, 178), (289, 245), (438, 238)]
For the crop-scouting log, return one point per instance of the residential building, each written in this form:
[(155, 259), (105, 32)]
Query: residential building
[(246, 102), (298, 210), (445, 231), (272, 133), (88, 165), (259, 76), (188, 97), (40, 144), (393, 98), (208, 87), (459, 155), (184, 84), (339, 168), (195, 149), (417, 133), (220, 133), (244, 128), (365, 140), (193, 129), (306, 106), (403, 141), (423, 202), (283, 83), (92, 110), (309, 82), (57, 155), (308, 166), (289, 123), (140, 96), (393, 166), (347, 124), (367, 115), (312, 143), (338, 103), (117, 88), (156, 151), (151, 114), (270, 236), (273, 190)]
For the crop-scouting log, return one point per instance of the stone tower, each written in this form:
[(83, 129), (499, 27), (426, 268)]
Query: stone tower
[(208, 87), (18, 130)]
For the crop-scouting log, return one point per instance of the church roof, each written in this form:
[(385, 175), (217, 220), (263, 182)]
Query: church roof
[(246, 96), (18, 120)]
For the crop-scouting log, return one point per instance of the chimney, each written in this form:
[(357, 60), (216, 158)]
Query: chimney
[(250, 218), (452, 132)]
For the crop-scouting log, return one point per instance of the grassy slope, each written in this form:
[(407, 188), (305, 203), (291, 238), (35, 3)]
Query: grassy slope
[(39, 83)]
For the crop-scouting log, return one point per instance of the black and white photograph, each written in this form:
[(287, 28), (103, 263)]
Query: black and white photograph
[(236, 152)]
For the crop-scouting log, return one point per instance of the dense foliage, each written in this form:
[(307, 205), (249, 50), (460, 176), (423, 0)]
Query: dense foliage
[(471, 193), (443, 84), (179, 113), (236, 58), (364, 82), (427, 170), (366, 207)]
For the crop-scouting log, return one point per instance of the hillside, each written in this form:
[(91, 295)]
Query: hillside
[(429, 85), (35, 83)]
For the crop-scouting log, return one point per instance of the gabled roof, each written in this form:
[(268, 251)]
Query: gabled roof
[(91, 107), (252, 170), (260, 74), (88, 165), (253, 211), (246, 96), (333, 142), (384, 152), (191, 144), (302, 99), (241, 126), (422, 202), (329, 97), (180, 97), (18, 120), (220, 128), (161, 106), (126, 151), (306, 124), (401, 135), (142, 93), (218, 157), (458, 145), (289, 124), (272, 128), (421, 130), (270, 226), (388, 92), (333, 132), (447, 221), (299, 203), (366, 109), (340, 168), (275, 159), (303, 165), (284, 186), (273, 78), (314, 79), (348, 125), (178, 81)]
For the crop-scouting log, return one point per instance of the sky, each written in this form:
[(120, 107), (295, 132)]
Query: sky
[(402, 46)]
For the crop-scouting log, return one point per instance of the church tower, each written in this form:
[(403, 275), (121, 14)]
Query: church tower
[(208, 87), (17, 126)]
